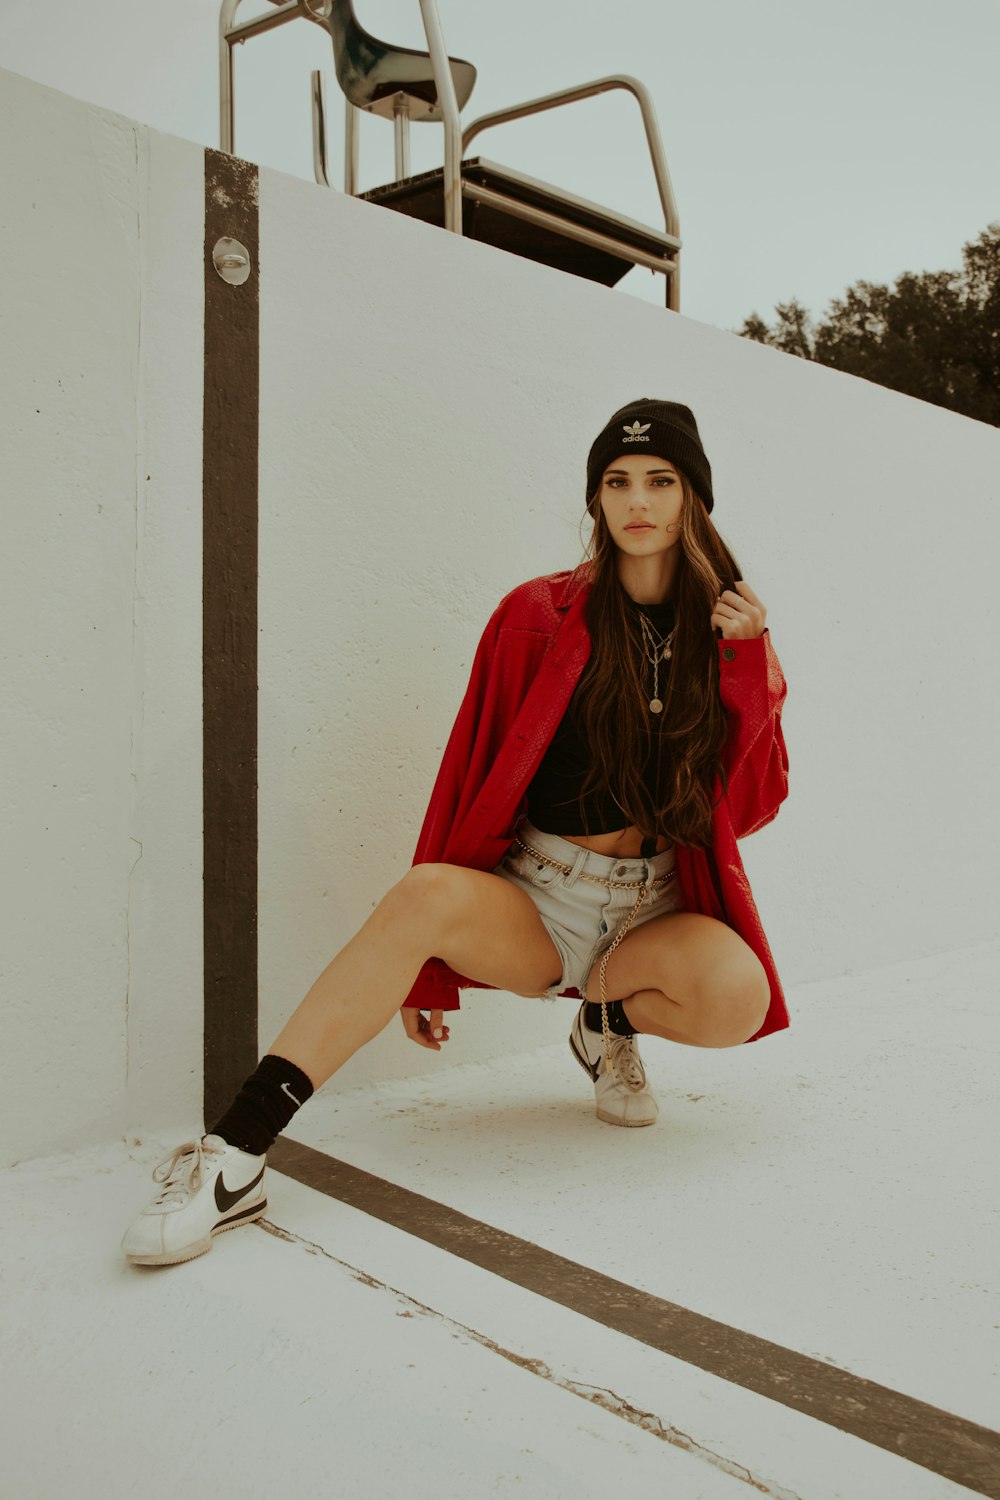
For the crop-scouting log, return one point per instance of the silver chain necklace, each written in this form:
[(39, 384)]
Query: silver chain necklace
[(655, 649)]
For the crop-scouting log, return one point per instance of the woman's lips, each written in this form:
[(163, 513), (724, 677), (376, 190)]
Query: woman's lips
[(639, 526)]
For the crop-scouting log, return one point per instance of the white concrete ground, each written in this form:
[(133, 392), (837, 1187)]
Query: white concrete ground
[(832, 1189)]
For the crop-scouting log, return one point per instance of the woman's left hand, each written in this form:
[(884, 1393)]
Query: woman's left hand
[(740, 616)]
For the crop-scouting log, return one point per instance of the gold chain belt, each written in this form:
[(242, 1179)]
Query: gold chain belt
[(624, 885)]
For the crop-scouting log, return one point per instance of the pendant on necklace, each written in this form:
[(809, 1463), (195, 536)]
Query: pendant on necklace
[(666, 653), (655, 705)]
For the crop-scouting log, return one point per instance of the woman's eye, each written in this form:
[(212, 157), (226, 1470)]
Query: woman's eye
[(660, 480)]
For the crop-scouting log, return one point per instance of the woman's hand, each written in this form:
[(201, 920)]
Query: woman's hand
[(425, 1033), (740, 616)]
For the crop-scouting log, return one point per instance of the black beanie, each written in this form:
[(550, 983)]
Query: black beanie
[(665, 428)]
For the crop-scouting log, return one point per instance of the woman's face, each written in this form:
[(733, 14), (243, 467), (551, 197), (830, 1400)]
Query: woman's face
[(641, 497)]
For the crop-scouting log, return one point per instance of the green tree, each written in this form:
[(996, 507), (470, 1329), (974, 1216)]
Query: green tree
[(934, 335)]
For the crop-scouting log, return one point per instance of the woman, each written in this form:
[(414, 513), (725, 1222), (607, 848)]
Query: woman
[(581, 833)]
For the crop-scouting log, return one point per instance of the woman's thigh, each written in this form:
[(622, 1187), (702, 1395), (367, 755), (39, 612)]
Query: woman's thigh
[(686, 955), (485, 927)]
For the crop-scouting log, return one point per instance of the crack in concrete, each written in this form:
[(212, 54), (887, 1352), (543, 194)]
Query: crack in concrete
[(137, 714), (128, 955), (600, 1396)]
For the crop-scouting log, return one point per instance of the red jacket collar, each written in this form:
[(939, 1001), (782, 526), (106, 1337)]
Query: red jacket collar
[(580, 577)]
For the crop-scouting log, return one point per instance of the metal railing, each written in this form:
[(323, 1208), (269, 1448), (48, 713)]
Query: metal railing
[(671, 218)]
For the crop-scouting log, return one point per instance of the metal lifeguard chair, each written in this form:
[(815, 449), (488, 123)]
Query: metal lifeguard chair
[(475, 197)]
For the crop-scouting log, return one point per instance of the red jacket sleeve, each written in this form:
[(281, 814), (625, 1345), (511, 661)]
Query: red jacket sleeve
[(753, 688), (504, 672)]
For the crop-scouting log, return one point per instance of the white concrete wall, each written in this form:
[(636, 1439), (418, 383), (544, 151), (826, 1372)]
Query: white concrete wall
[(426, 408), (100, 456)]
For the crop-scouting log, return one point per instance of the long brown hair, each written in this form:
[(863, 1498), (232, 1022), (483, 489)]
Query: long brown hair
[(612, 702)]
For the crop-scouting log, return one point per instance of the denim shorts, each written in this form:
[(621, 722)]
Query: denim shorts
[(581, 917)]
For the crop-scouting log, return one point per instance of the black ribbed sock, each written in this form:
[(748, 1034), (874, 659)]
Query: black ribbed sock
[(264, 1105), (618, 1021)]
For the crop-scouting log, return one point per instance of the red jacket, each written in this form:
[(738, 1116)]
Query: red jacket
[(528, 662)]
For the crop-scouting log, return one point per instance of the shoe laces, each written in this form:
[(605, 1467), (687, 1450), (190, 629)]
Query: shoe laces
[(627, 1062), (184, 1174)]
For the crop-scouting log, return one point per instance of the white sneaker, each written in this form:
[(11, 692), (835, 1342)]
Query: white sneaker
[(208, 1186), (623, 1097)]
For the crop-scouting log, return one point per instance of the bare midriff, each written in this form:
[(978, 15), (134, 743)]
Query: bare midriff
[(624, 845)]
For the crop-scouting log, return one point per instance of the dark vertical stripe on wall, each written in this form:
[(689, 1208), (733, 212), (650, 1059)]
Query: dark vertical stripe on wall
[(229, 554)]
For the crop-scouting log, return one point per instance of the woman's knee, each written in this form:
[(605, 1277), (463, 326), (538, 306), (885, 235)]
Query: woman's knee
[(734, 1007), (426, 897)]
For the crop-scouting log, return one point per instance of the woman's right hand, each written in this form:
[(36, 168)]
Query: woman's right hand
[(422, 1031)]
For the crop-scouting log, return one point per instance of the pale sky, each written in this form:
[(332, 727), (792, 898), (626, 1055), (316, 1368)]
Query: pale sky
[(809, 144)]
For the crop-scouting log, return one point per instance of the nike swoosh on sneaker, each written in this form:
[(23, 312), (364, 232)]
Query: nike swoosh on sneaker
[(579, 1051), (224, 1199)]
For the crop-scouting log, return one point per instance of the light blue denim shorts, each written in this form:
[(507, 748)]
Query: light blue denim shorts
[(581, 917)]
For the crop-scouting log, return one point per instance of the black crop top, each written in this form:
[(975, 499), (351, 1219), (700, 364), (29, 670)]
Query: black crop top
[(553, 793)]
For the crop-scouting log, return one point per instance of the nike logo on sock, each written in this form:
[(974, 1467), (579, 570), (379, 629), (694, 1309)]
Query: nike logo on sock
[(291, 1095), (224, 1199)]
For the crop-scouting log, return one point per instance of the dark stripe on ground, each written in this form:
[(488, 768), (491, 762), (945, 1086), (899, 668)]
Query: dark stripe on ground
[(229, 623), (926, 1435)]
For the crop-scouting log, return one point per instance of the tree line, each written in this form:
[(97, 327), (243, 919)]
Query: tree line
[(934, 335)]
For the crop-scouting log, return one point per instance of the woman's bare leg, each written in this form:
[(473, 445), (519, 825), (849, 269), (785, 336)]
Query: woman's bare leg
[(481, 924), (688, 978)]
